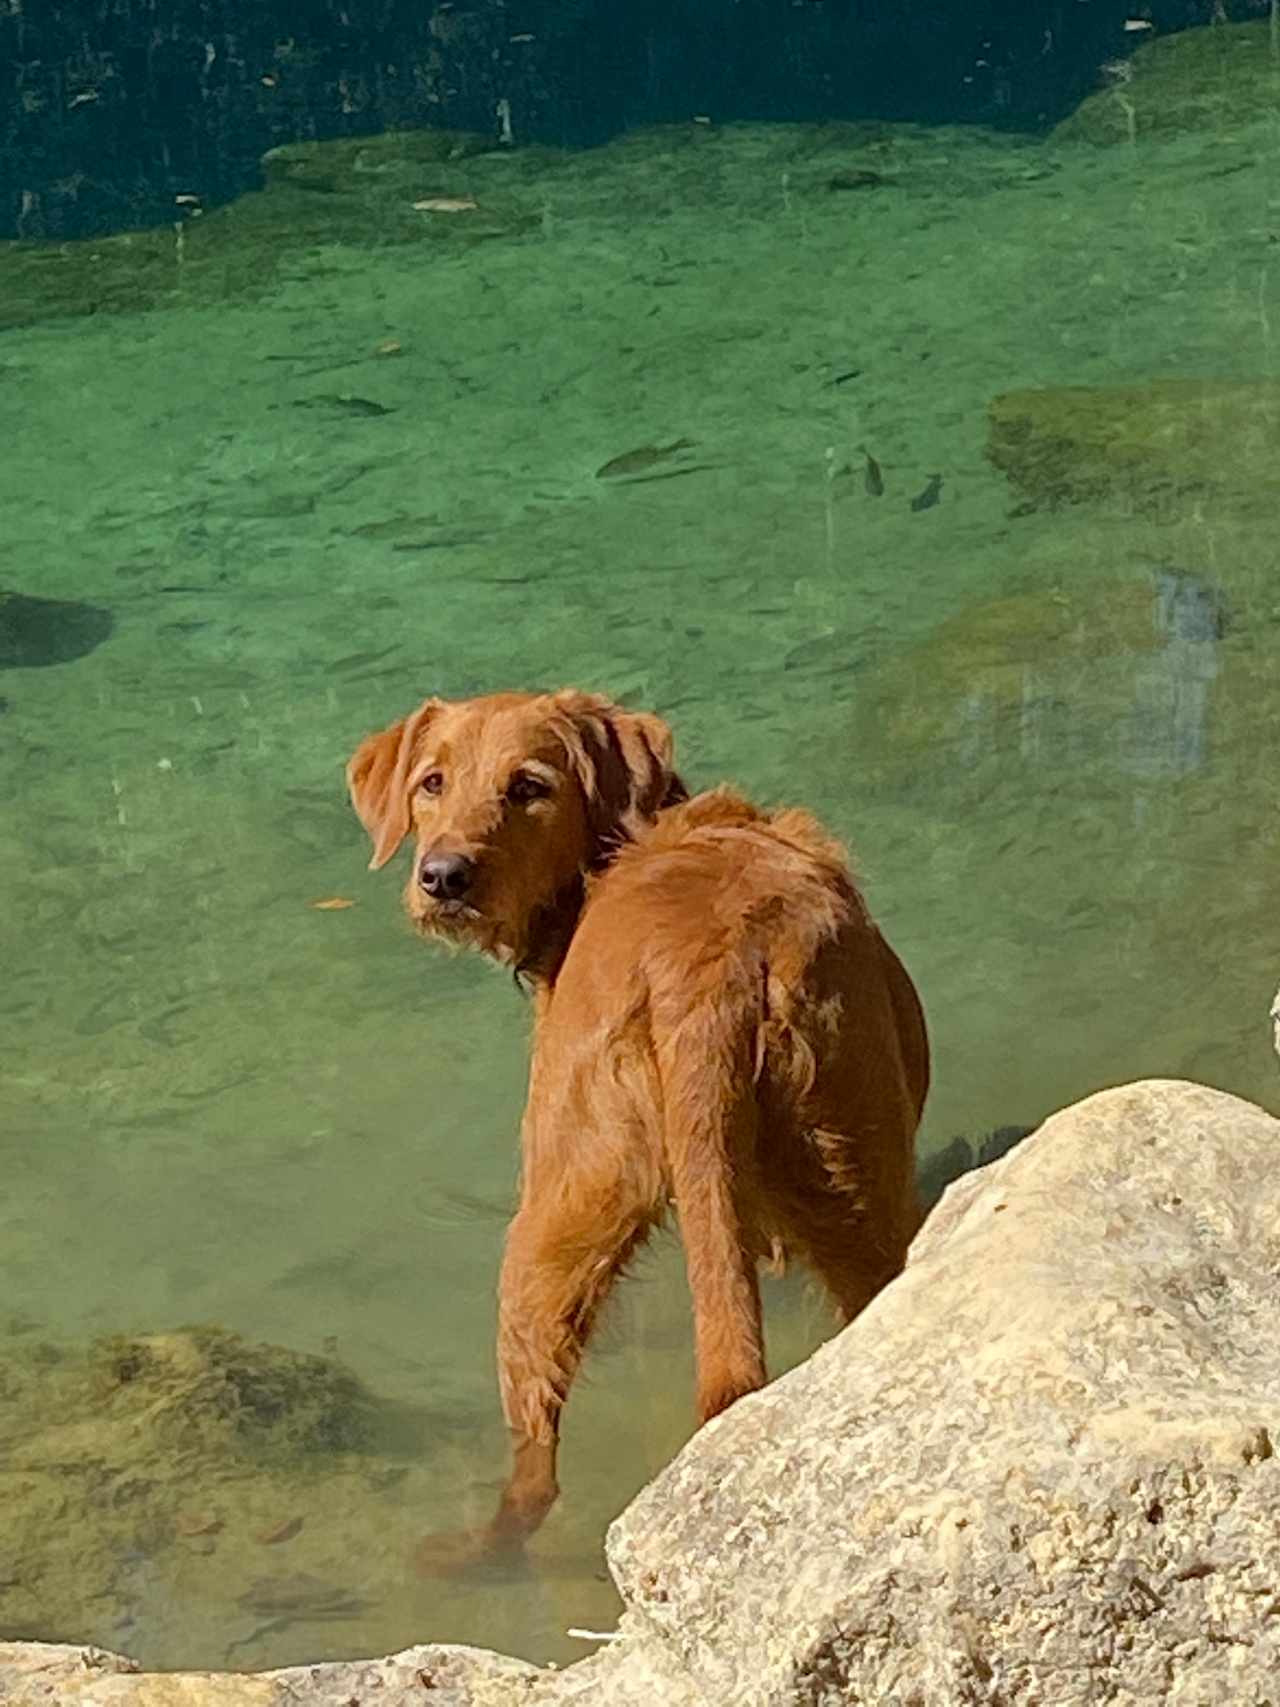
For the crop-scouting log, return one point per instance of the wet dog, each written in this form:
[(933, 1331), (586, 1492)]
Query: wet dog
[(719, 1029)]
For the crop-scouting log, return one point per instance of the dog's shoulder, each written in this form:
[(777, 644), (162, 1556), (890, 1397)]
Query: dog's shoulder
[(716, 809), (725, 819)]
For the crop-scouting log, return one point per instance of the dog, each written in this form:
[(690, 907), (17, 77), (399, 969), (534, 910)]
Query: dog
[(719, 1029)]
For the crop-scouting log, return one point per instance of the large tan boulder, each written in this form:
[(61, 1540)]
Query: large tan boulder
[(1039, 1468)]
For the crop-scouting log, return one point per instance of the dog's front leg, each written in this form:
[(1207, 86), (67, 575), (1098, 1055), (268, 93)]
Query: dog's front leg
[(560, 1261)]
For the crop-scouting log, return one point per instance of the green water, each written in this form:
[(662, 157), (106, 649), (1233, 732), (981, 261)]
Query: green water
[(1045, 727)]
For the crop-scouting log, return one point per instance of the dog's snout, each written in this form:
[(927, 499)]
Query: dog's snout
[(446, 876)]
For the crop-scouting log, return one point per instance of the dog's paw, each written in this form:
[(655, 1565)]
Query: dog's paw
[(450, 1552)]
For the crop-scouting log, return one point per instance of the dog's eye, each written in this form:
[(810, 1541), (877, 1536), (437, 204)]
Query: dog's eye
[(524, 788), (432, 783)]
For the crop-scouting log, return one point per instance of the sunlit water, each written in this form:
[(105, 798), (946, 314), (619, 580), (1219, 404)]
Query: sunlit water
[(1047, 737)]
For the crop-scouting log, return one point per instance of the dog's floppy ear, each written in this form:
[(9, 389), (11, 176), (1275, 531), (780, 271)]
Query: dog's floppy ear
[(624, 762), (378, 779)]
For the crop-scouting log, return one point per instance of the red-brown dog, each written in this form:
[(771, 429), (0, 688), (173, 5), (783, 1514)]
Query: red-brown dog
[(719, 1029)]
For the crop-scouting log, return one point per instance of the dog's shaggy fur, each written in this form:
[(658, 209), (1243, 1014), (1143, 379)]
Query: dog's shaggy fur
[(719, 1029)]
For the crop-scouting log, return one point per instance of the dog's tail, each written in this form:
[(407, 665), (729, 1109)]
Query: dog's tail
[(708, 1064)]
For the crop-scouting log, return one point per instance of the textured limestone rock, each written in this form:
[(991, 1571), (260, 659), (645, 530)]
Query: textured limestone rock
[(34, 1674), (1040, 1468)]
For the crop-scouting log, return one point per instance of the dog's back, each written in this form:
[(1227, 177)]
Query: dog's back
[(785, 1060)]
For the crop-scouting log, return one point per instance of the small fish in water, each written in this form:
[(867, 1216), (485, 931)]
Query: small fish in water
[(193, 1523), (344, 401), (931, 495), (855, 178), (279, 1532), (301, 1595), (440, 541), (446, 204), (872, 479), (637, 461), (361, 660), (331, 904)]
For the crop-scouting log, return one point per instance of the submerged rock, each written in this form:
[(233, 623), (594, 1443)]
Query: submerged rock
[(1156, 448), (355, 190), (961, 1156), (191, 1457), (1212, 79), (205, 1386), (37, 632)]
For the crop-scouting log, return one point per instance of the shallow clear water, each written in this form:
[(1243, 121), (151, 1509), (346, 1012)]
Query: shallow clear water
[(1045, 732)]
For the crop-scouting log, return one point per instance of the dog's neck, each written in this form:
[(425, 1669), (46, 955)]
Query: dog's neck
[(552, 927), (551, 932)]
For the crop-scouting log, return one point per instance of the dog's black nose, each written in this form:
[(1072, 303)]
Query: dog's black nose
[(446, 876)]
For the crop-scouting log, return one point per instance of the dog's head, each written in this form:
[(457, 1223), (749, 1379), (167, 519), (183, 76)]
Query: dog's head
[(512, 800)]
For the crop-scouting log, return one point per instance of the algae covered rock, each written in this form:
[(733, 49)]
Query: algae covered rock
[(1216, 79), (1157, 448), (394, 161), (206, 1387), (357, 191), (145, 1461)]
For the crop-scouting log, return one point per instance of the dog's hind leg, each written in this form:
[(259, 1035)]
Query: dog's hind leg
[(846, 1248)]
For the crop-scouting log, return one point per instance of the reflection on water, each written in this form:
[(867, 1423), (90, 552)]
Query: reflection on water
[(1171, 710), (1162, 729), (1037, 705)]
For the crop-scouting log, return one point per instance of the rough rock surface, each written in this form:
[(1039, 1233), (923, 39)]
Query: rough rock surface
[(1041, 1468), (34, 1674)]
